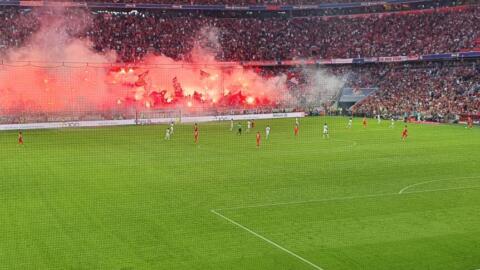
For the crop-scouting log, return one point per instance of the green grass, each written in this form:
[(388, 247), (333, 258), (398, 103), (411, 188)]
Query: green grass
[(123, 198)]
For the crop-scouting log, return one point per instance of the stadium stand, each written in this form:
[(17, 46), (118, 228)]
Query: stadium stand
[(265, 2), (132, 35), (434, 89)]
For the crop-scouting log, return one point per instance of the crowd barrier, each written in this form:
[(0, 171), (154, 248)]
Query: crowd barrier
[(475, 54), (193, 119), (475, 118)]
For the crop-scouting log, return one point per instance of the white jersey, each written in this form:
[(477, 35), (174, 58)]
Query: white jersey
[(249, 124), (297, 122), (325, 129), (167, 134), (171, 128), (267, 130), (350, 122)]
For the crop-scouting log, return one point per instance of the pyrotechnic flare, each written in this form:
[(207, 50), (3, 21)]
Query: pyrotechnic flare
[(59, 85)]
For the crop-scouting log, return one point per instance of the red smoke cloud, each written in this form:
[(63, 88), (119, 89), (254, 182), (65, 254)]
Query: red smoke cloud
[(51, 74), (162, 82)]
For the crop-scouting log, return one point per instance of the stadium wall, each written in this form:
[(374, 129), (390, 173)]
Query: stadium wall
[(103, 123)]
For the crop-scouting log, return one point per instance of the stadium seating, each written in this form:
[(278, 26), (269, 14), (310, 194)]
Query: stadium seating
[(240, 39), (262, 2), (227, 2), (280, 38), (434, 89)]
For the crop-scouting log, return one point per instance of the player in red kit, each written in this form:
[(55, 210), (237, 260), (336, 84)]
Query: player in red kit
[(469, 122), (195, 133), (20, 138), (364, 122), (404, 133), (258, 139), (295, 129)]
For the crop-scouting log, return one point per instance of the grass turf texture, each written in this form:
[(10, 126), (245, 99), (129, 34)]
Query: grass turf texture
[(124, 198)]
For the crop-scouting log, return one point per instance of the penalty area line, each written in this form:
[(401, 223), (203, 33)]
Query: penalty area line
[(267, 240), (309, 201), (402, 193), (347, 198), (436, 180)]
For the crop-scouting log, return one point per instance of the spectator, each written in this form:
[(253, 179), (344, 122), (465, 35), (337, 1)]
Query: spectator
[(132, 34)]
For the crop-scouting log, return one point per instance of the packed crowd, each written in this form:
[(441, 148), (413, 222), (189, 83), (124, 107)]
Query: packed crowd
[(286, 38), (16, 26), (432, 90), (229, 2), (256, 2), (134, 34)]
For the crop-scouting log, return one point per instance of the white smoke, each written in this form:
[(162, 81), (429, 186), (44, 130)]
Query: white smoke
[(73, 88), (207, 45), (321, 87), (53, 43), (43, 76)]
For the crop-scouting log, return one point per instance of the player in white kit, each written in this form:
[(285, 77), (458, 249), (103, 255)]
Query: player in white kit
[(171, 128), (379, 119), (325, 131), (267, 132), (167, 134), (350, 123), (392, 123), (231, 124), (297, 122), (249, 125)]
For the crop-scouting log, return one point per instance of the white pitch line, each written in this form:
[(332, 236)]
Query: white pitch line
[(436, 180), (354, 143), (323, 200), (440, 189), (416, 184), (345, 198), (309, 201), (268, 240)]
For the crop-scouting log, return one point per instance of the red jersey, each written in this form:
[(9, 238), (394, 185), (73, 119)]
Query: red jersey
[(258, 139), (296, 130), (470, 121), (20, 138), (405, 132)]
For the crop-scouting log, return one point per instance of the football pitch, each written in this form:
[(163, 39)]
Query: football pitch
[(124, 198)]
